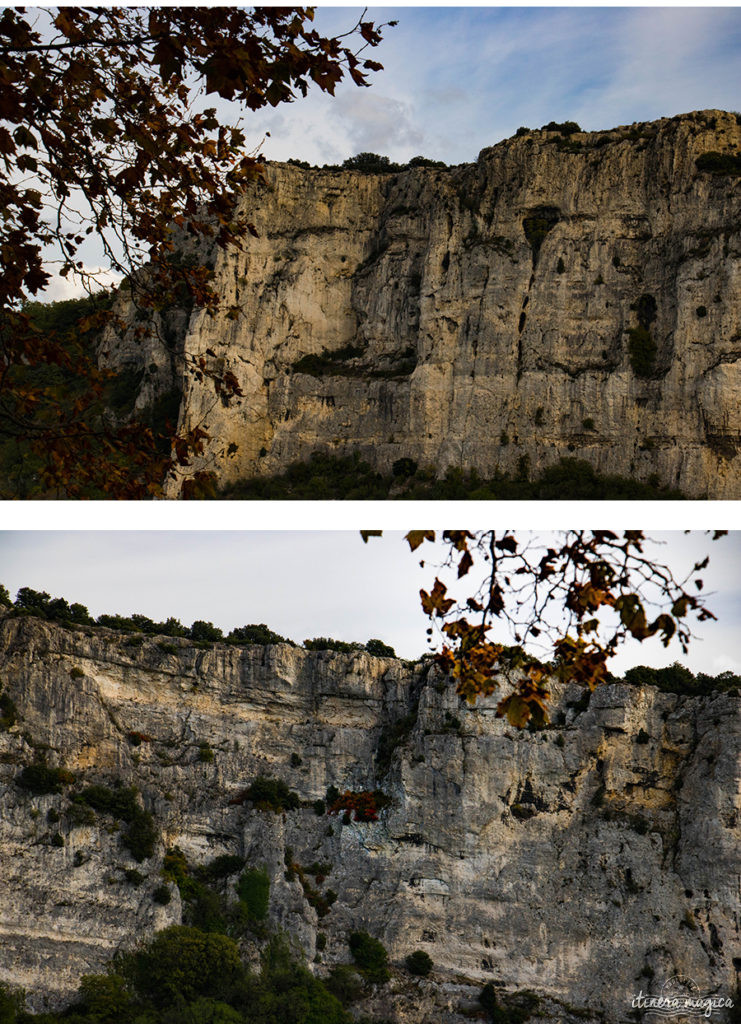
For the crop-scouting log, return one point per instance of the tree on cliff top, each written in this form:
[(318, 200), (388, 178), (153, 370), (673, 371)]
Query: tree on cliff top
[(576, 600), (101, 136)]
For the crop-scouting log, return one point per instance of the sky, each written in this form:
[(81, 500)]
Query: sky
[(320, 583), (458, 79)]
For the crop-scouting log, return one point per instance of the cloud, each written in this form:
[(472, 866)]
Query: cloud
[(378, 123), (74, 286)]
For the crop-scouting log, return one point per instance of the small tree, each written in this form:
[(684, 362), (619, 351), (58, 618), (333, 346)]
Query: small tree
[(205, 631), (419, 963), (253, 889), (370, 163), (370, 956), (380, 649)]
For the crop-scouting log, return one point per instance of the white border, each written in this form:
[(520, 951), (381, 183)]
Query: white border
[(353, 515)]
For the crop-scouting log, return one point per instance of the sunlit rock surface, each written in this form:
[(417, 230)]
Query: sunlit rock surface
[(573, 861)]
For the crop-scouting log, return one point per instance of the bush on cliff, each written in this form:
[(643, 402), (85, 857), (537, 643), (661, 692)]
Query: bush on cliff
[(181, 964), (419, 963), (719, 163), (351, 478), (370, 163), (270, 795), (40, 779), (370, 957), (677, 678), (253, 890), (256, 634)]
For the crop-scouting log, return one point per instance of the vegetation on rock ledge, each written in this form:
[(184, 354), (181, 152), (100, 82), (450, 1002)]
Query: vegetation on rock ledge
[(351, 478)]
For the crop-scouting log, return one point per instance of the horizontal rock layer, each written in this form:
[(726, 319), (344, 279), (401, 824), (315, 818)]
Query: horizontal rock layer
[(573, 861)]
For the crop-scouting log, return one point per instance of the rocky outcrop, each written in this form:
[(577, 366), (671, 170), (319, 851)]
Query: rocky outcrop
[(566, 295), (584, 861)]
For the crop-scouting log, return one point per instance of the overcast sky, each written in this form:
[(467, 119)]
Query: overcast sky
[(313, 584), (457, 79)]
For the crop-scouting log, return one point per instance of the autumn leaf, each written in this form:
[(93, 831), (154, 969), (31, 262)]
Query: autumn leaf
[(416, 537)]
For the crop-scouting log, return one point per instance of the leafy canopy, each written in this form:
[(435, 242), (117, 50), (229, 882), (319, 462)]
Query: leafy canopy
[(103, 134), (576, 600)]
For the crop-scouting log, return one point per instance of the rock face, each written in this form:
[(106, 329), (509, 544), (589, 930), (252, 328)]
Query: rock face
[(481, 314), (584, 862)]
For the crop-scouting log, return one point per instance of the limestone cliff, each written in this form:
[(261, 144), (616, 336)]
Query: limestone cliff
[(482, 313), (579, 861)]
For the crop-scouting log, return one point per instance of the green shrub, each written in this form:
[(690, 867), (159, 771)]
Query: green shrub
[(253, 889), (270, 795), (371, 163), (370, 957), (350, 478), (423, 161), (52, 816), (38, 778), (677, 678), (76, 673), (185, 975), (162, 895), (588, 423), (321, 941), (701, 311), (320, 808), (221, 867), (345, 984), (488, 999), (134, 877), (120, 802), (140, 836), (205, 632), (325, 643), (519, 1007), (642, 736), (296, 760), (404, 468), (57, 839), (379, 649), (205, 753), (289, 994), (719, 163), (105, 998), (564, 127), (181, 963), (256, 634), (419, 963)]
